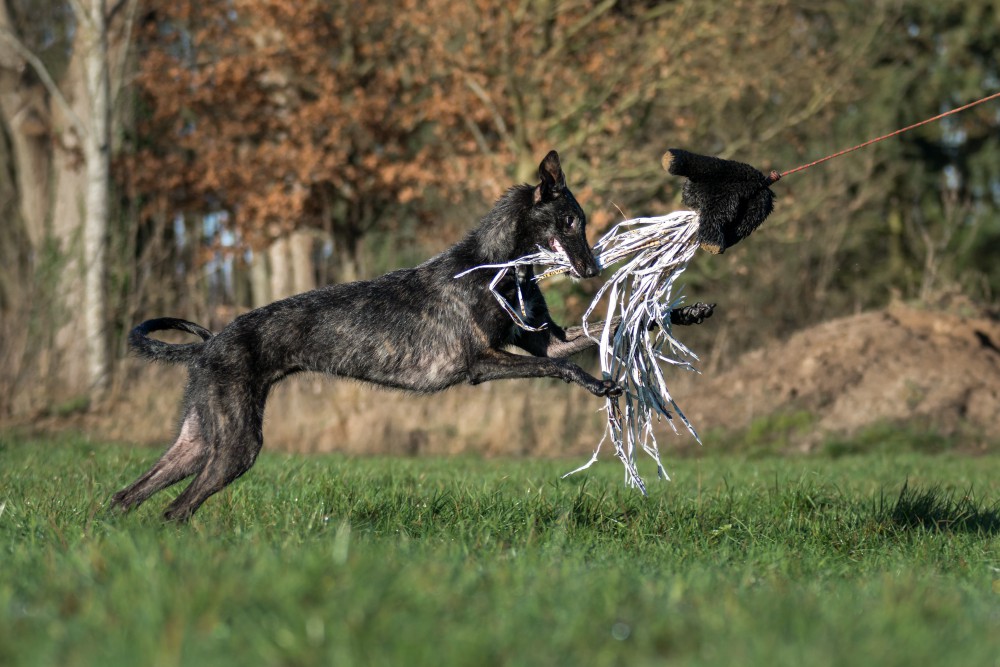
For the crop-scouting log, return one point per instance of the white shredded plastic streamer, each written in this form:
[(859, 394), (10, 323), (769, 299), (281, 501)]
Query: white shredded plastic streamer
[(639, 298)]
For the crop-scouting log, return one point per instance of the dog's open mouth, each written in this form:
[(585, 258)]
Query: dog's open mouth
[(556, 247)]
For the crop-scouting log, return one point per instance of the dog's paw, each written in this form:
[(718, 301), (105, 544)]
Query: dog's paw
[(610, 389), (700, 312), (120, 502), (694, 314)]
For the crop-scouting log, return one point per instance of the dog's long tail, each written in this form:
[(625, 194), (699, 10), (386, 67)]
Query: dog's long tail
[(157, 350)]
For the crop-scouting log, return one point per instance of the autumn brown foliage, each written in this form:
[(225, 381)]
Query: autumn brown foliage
[(336, 115), (381, 131)]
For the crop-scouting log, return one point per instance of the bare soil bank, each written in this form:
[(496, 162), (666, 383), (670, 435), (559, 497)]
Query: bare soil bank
[(899, 365)]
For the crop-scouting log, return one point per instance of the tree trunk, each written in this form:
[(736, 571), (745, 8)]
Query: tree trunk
[(60, 135), (24, 113), (279, 259), (97, 160), (64, 363), (260, 287), (291, 264), (303, 271), (24, 169)]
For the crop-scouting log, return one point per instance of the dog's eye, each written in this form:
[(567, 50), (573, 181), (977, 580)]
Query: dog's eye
[(571, 221)]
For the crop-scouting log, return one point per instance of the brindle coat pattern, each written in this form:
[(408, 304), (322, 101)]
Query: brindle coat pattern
[(418, 329)]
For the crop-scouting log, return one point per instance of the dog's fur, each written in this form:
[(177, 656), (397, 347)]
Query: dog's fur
[(418, 329)]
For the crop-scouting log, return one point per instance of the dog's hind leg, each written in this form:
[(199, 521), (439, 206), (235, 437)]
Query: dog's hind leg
[(219, 472), (238, 438), (184, 458)]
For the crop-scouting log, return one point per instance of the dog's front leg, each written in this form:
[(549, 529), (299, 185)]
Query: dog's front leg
[(696, 313), (562, 343), (566, 343), (502, 365)]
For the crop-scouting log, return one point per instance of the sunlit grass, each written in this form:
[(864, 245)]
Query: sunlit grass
[(859, 559)]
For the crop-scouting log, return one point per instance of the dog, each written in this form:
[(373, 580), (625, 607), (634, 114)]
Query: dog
[(418, 329)]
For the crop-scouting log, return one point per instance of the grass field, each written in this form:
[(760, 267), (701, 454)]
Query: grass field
[(862, 559)]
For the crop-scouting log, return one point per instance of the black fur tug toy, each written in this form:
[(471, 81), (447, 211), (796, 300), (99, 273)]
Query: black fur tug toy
[(732, 198)]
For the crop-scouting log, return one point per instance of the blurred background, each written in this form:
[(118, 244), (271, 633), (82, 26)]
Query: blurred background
[(199, 159)]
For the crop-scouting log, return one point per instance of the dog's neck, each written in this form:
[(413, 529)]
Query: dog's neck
[(500, 236)]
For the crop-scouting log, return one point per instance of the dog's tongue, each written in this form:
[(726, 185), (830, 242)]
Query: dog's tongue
[(557, 247)]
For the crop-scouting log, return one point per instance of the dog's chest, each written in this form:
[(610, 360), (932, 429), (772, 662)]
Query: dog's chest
[(527, 302)]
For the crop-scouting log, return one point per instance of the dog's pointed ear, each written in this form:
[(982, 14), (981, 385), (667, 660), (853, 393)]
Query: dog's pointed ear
[(732, 198), (552, 178)]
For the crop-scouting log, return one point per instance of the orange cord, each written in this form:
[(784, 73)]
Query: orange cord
[(774, 175)]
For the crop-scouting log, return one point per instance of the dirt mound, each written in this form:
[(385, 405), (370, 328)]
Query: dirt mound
[(897, 365)]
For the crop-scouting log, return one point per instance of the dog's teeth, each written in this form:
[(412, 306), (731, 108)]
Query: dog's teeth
[(557, 248)]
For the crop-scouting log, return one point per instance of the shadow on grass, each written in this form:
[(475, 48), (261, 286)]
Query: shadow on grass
[(940, 510)]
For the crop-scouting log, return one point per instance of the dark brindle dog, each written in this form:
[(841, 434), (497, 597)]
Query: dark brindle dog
[(416, 329)]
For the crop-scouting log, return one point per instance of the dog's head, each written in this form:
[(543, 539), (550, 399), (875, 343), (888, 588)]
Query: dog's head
[(732, 198), (558, 221)]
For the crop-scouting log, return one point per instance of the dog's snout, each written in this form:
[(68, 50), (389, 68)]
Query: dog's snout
[(590, 270)]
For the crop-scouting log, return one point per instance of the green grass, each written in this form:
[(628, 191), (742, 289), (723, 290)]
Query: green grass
[(859, 559)]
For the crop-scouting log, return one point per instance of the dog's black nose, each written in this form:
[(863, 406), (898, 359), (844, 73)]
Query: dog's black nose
[(590, 271)]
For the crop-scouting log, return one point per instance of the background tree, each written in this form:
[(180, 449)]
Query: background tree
[(385, 119), (269, 145), (60, 121)]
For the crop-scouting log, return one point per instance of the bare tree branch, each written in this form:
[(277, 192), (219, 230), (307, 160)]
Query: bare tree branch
[(80, 11), (117, 7), (570, 32), (498, 120), (46, 78), (821, 97), (118, 82)]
